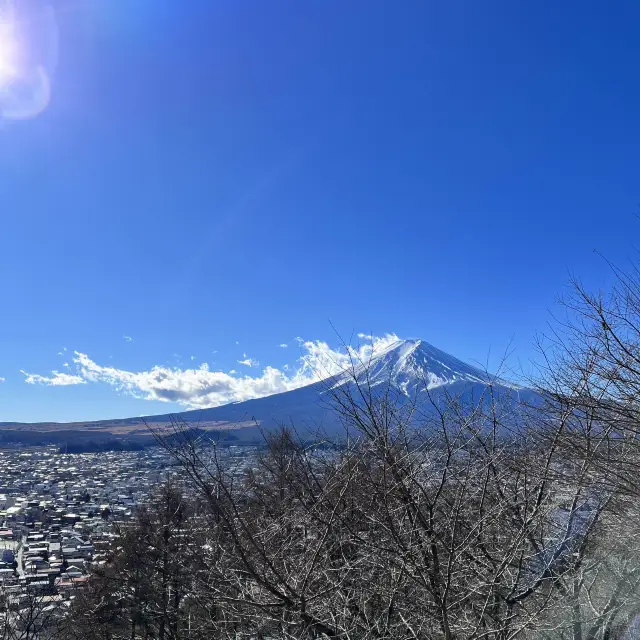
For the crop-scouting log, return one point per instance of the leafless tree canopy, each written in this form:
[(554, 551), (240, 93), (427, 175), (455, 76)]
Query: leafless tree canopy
[(470, 518), (432, 522)]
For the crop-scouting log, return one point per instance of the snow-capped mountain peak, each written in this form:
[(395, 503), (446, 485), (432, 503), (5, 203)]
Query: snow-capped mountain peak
[(413, 365)]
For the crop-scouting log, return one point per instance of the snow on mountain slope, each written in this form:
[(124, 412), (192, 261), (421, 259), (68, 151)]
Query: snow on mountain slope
[(413, 365)]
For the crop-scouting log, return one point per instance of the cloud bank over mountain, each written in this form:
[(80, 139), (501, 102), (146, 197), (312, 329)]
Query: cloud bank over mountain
[(202, 387)]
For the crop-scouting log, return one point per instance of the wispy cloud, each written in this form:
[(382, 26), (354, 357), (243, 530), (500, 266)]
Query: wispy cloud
[(2, 379), (284, 345), (249, 362), (57, 379), (127, 338), (202, 387)]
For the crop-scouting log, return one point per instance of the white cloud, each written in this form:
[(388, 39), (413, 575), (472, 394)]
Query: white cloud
[(201, 387), (284, 345), (190, 387), (192, 358), (248, 362), (323, 361), (127, 338), (56, 380), (2, 379), (66, 364)]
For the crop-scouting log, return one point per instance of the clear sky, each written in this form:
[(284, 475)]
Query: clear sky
[(212, 179)]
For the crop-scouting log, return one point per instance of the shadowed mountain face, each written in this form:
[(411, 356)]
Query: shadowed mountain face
[(413, 368)]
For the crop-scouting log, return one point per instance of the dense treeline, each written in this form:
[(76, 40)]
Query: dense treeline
[(94, 447)]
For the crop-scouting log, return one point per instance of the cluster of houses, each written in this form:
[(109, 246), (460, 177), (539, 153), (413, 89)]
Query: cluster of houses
[(56, 518)]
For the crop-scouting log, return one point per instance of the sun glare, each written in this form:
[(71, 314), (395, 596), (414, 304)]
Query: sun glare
[(7, 53)]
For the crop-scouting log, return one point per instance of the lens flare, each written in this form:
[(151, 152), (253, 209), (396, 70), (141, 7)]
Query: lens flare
[(28, 57), (8, 53)]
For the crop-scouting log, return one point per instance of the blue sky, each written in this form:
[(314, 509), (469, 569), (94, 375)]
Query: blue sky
[(214, 179)]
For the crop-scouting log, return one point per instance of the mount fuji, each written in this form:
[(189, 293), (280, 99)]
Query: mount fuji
[(410, 367)]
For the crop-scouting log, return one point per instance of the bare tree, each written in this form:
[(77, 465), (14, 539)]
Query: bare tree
[(590, 374), (30, 614), (141, 591), (432, 519)]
